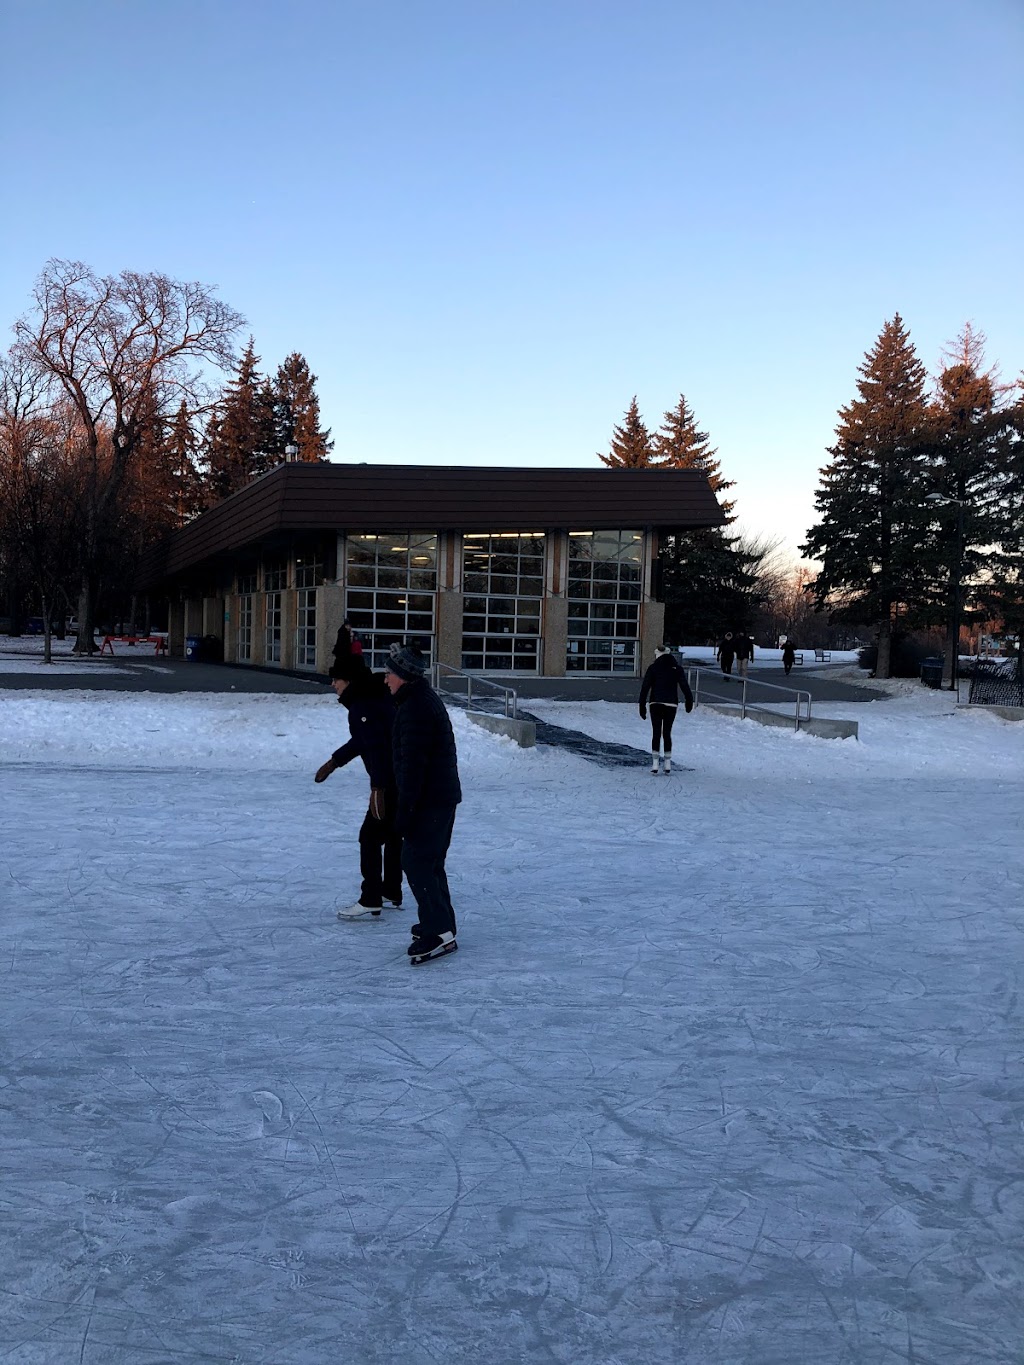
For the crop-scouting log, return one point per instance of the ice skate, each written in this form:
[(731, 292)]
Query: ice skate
[(655, 765), (434, 945), (668, 767), (358, 911)]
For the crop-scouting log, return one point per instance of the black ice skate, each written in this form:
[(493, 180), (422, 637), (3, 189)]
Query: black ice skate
[(434, 945)]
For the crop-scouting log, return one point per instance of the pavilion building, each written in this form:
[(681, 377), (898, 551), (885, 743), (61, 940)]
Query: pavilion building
[(542, 571)]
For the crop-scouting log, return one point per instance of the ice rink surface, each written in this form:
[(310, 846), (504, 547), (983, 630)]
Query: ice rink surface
[(728, 1067)]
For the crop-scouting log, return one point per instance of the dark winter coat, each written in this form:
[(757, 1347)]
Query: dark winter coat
[(726, 649), (371, 718), (663, 682), (788, 653), (744, 646), (426, 765)]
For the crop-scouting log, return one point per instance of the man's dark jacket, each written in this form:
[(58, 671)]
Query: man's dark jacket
[(371, 718), (423, 745), (662, 683)]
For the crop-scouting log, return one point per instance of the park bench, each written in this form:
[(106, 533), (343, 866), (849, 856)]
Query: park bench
[(822, 656)]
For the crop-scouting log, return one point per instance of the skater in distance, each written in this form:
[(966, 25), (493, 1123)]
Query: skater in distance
[(663, 682), (427, 776)]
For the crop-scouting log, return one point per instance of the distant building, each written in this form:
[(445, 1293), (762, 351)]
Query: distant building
[(543, 571)]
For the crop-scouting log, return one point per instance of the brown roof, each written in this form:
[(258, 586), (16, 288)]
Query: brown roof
[(365, 497)]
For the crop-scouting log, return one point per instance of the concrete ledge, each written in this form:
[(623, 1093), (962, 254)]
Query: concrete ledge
[(822, 729), (1004, 712), (524, 732)]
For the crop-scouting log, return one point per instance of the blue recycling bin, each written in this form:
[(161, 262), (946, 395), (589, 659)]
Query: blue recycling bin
[(193, 647)]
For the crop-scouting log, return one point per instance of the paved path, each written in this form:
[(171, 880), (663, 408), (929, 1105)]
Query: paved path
[(143, 673)]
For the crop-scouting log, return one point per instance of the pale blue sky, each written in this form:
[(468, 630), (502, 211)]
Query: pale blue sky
[(488, 225)]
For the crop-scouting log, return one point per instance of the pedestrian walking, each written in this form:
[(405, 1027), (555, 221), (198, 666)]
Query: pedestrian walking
[(347, 644), (662, 683), (427, 776), (788, 656), (371, 717), (744, 647), (726, 652)]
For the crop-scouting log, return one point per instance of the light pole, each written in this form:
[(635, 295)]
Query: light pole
[(950, 664)]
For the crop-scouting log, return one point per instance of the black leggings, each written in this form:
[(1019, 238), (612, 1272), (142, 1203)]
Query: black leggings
[(662, 720)]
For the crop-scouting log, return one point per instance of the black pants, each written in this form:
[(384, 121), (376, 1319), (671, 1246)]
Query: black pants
[(380, 856), (787, 667), (726, 663), (662, 719), (424, 849)]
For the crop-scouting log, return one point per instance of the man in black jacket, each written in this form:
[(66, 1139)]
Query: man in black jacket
[(427, 776), (371, 715)]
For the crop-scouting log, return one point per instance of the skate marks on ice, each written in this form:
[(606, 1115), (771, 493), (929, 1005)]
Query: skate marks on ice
[(759, 1127)]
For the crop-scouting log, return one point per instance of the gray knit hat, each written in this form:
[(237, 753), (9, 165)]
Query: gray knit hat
[(406, 662)]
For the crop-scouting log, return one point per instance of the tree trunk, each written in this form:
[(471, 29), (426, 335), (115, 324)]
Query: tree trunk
[(883, 666), (86, 644)]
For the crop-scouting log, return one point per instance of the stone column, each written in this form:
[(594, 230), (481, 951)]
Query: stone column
[(213, 617), (176, 629), (231, 628), (652, 631), (259, 626), (330, 612), (448, 640), (555, 630)]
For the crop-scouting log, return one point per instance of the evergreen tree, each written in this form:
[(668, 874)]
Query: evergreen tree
[(297, 411), (240, 435), (631, 444), (708, 580), (180, 456), (965, 467), (872, 532)]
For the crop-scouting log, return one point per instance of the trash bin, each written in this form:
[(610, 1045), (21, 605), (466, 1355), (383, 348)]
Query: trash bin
[(211, 649), (193, 647), (931, 672)]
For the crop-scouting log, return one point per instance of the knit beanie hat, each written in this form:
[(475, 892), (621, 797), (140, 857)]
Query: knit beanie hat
[(406, 662), (348, 667), (661, 649)]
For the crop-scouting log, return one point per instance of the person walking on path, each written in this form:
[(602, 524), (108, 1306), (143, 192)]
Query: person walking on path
[(663, 682), (427, 775), (371, 717), (744, 647), (726, 652), (788, 656), (347, 644)]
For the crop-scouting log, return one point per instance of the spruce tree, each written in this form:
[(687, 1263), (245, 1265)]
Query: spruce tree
[(707, 580), (872, 532), (631, 444), (297, 411), (238, 431)]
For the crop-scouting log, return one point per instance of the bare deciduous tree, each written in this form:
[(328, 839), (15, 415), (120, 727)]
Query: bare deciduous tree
[(125, 350)]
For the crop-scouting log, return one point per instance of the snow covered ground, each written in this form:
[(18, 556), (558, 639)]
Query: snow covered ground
[(727, 1069)]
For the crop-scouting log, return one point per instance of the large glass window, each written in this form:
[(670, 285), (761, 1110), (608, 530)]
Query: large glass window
[(248, 582), (272, 635), (391, 586), (309, 570), (503, 582), (244, 650), (604, 591)]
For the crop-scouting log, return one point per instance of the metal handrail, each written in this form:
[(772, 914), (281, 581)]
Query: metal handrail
[(511, 696), (794, 693)]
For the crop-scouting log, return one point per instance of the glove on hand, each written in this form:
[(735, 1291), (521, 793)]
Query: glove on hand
[(643, 713), (324, 772), (378, 806), (689, 707)]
